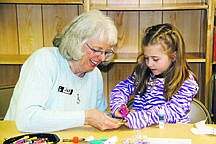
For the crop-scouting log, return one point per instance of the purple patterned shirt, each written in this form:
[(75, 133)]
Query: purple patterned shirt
[(147, 107)]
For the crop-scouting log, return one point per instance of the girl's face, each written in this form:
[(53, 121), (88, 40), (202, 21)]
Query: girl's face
[(157, 59), (94, 53)]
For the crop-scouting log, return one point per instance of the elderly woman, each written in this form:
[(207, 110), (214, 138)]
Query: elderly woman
[(61, 87)]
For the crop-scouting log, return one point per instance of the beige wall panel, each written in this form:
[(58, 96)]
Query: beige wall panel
[(81, 9), (188, 23), (5, 96), (197, 69), (98, 1), (9, 74), (55, 17), (127, 25), (8, 29), (150, 1), (148, 18), (105, 82), (182, 1), (29, 28), (134, 2)]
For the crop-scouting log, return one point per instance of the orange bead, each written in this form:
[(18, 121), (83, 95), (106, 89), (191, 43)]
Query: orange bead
[(76, 139)]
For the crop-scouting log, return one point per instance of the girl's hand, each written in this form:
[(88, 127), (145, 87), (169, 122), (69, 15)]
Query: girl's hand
[(121, 112), (131, 110), (126, 123)]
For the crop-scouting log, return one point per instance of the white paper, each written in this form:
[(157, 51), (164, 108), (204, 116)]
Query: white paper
[(201, 128), (169, 141), (146, 140)]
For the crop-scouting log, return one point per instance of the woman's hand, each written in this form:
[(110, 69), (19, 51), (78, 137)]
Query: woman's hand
[(100, 120), (118, 113)]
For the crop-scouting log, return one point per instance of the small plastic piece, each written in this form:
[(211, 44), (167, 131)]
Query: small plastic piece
[(76, 139), (124, 110), (112, 140)]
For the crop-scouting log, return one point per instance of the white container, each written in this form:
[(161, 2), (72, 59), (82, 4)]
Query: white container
[(161, 118)]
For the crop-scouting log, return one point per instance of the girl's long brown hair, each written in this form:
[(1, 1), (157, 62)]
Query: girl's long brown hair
[(172, 41)]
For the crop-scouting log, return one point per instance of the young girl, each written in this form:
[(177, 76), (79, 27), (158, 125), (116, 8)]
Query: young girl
[(162, 80)]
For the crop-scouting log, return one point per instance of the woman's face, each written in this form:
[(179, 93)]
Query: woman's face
[(94, 53), (157, 59)]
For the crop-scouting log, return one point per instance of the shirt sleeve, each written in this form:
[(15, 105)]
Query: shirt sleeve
[(175, 109), (121, 93), (36, 81)]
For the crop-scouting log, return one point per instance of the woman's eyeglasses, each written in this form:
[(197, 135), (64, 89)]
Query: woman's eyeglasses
[(106, 53)]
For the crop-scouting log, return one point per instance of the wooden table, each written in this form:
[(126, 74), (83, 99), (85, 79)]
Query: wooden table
[(182, 131)]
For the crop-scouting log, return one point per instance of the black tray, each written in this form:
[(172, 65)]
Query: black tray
[(51, 137)]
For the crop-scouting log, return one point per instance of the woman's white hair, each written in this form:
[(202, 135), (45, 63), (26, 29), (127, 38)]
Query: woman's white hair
[(92, 24)]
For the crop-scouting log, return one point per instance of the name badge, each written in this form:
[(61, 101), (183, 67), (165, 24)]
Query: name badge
[(65, 90)]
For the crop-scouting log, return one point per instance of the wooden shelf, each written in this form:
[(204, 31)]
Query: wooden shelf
[(168, 6), (132, 57), (42, 1), (118, 58), (195, 57), (125, 57), (6, 86), (13, 59)]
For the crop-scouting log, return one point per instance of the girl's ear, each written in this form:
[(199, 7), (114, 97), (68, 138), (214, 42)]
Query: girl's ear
[(173, 56)]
